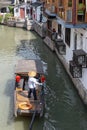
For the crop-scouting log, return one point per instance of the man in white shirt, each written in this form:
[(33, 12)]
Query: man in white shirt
[(32, 82)]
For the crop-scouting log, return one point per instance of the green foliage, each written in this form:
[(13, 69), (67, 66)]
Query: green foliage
[(1, 18), (7, 16), (11, 9), (81, 6)]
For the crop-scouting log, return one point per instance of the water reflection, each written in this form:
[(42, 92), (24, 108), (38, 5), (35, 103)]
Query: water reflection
[(26, 49)]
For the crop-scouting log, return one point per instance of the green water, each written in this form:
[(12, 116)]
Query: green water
[(64, 109)]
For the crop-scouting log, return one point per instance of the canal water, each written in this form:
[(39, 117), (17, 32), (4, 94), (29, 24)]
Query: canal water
[(64, 109)]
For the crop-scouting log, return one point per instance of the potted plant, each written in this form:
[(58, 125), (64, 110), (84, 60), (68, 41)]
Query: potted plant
[(81, 6)]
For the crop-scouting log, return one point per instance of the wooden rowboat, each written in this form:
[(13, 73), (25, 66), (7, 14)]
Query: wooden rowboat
[(24, 106)]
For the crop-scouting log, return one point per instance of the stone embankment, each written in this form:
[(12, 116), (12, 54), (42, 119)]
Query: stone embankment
[(77, 83)]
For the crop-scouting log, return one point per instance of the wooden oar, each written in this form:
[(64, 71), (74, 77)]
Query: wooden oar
[(33, 117)]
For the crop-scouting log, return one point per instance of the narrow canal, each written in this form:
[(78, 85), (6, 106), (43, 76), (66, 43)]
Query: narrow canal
[(64, 109)]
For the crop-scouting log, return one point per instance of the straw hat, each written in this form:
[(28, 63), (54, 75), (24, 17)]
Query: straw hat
[(32, 74)]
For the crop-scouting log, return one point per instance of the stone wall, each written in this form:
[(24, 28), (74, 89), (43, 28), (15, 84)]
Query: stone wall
[(49, 43), (29, 24), (40, 28), (77, 83)]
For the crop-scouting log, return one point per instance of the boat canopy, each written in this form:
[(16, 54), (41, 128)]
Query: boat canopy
[(25, 66)]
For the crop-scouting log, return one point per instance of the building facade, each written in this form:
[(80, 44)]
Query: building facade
[(67, 29)]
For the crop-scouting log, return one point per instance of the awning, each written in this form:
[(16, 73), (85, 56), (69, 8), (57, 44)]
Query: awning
[(49, 14), (70, 25), (36, 4)]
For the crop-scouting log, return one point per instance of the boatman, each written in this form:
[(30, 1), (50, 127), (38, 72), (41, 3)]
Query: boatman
[(32, 82)]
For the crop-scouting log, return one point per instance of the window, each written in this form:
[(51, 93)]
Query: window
[(75, 41), (3, 10), (81, 11), (81, 15), (21, 1), (69, 3), (60, 2), (69, 15), (27, 10), (53, 8), (67, 36), (81, 41), (81, 4), (59, 29), (80, 1), (16, 10), (48, 1)]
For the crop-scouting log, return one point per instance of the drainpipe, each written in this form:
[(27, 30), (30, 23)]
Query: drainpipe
[(74, 12)]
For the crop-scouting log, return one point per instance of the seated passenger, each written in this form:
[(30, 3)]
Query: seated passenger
[(17, 78), (42, 78)]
